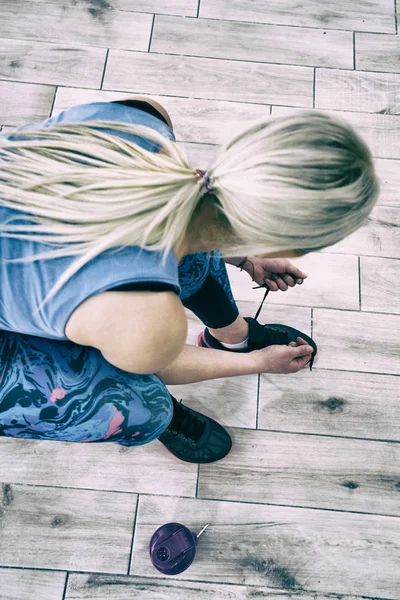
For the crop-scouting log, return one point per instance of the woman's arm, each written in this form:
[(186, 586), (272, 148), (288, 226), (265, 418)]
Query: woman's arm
[(199, 364)]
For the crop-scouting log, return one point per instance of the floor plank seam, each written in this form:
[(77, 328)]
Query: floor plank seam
[(104, 70), (151, 33), (272, 24), (359, 285), (258, 398), (133, 535), (354, 51), (198, 9), (65, 587)]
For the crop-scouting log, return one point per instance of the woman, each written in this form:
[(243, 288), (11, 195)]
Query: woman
[(108, 232)]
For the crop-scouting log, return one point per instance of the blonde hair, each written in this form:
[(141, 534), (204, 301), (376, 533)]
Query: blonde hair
[(301, 182)]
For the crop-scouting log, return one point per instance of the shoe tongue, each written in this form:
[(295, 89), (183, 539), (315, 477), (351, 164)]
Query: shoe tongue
[(261, 336)]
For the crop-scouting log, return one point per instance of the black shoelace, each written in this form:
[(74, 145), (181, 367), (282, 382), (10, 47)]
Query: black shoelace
[(185, 423)]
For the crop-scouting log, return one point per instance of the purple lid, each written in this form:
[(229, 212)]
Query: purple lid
[(173, 548)]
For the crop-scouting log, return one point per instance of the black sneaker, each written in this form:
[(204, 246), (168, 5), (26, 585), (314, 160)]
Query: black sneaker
[(195, 438), (261, 336)]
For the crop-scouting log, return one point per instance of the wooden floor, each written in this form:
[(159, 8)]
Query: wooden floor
[(307, 505)]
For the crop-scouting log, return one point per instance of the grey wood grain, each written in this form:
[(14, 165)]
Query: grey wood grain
[(18, 584), (357, 341), (359, 405), (381, 132), (364, 16), (206, 121), (102, 587), (376, 52), (172, 7), (208, 78), (200, 155), (231, 401), (22, 102), (332, 282), (252, 41), (144, 469), (39, 62), (389, 173), (291, 549), (379, 237), (52, 528), (379, 291), (357, 91), (64, 24), (299, 470)]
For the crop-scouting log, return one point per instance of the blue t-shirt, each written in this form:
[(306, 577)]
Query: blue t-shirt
[(23, 286)]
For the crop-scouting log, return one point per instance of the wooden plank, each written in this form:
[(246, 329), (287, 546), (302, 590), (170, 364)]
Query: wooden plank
[(376, 52), (208, 78), (94, 587), (172, 7), (231, 401), (52, 528), (332, 283), (356, 341), (24, 102), (290, 549), (18, 584), (207, 121), (389, 173), (381, 132), (357, 91), (378, 284), (379, 237), (144, 469), (358, 405), (63, 24), (253, 41), (39, 62), (306, 470), (364, 16)]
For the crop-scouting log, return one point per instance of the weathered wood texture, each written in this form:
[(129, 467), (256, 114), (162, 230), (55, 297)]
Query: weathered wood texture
[(24, 102), (357, 91), (252, 41), (298, 470), (60, 23), (25, 584), (102, 587), (353, 341), (146, 469), (209, 78), (51, 528), (377, 52), (365, 16), (291, 549), (378, 292), (39, 62), (336, 403)]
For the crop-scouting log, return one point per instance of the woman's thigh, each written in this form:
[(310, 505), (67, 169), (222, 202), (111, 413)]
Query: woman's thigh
[(58, 390)]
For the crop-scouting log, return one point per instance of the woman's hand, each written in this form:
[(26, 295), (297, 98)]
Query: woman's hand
[(282, 359), (276, 273)]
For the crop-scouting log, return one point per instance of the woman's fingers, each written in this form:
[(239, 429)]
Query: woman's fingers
[(279, 282), (289, 280)]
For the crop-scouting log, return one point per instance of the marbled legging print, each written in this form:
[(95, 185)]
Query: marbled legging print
[(58, 390)]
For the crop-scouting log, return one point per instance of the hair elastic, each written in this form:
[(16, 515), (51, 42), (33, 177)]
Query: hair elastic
[(204, 175)]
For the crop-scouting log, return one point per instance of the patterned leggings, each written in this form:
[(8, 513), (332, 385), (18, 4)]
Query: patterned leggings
[(58, 390)]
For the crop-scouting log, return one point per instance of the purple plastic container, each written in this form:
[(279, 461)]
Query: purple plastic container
[(173, 548)]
